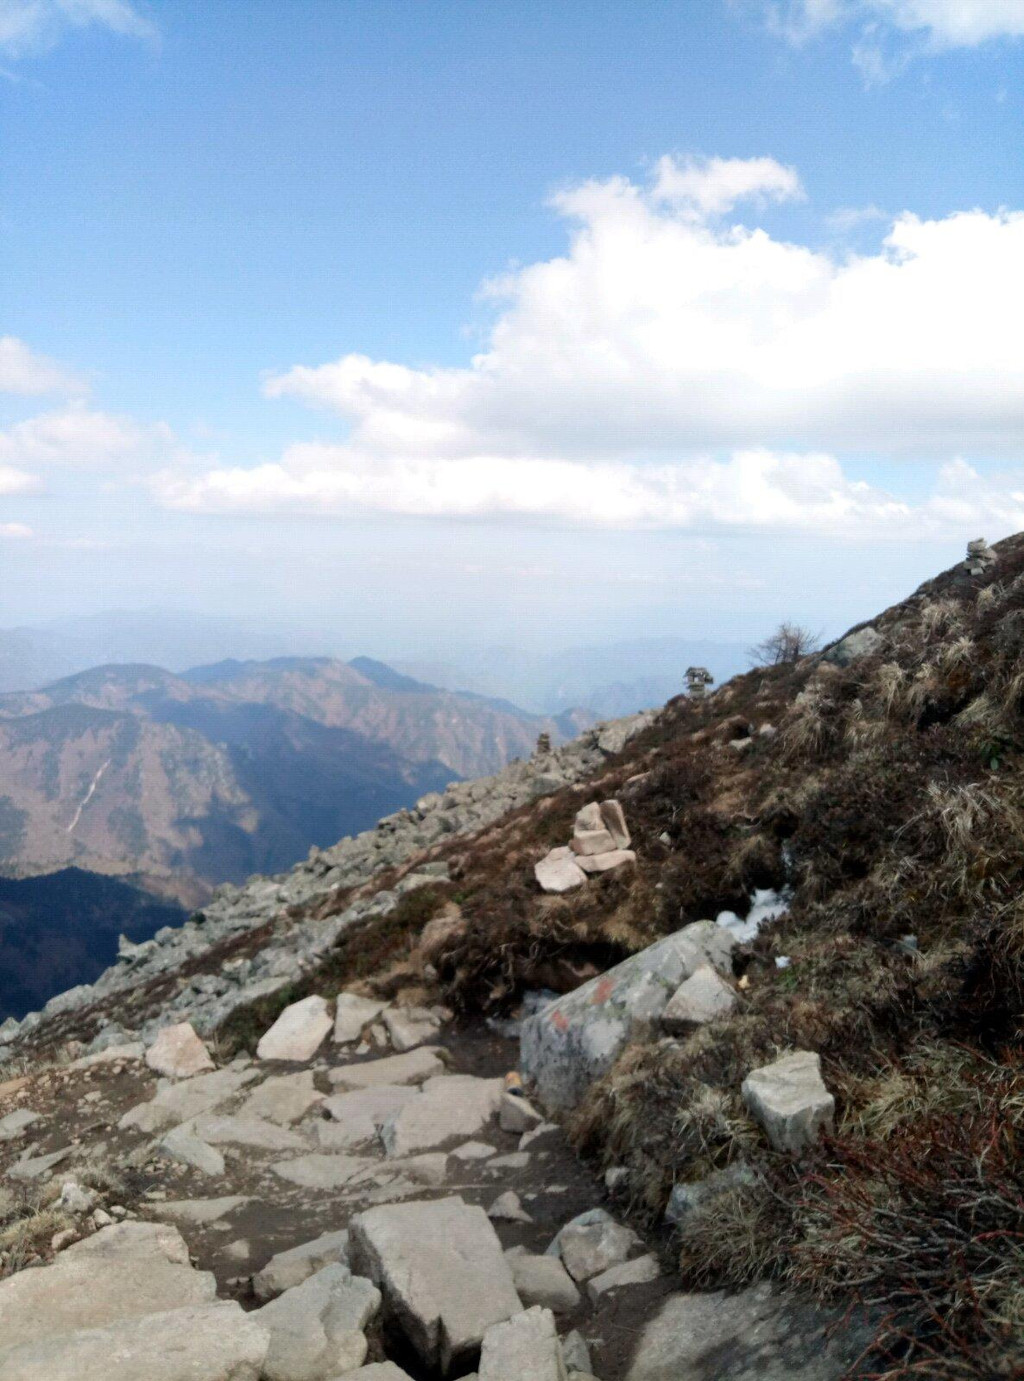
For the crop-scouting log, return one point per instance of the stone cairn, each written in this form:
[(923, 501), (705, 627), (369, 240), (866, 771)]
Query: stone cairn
[(600, 841), (980, 557), (697, 681)]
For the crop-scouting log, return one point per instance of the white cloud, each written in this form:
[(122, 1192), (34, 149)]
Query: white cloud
[(25, 372), (78, 436), (712, 186), (31, 25), (15, 532), (658, 335), (672, 371), (14, 481), (848, 218), (938, 24)]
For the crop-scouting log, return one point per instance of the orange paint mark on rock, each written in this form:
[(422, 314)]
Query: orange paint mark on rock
[(559, 1021), (602, 992)]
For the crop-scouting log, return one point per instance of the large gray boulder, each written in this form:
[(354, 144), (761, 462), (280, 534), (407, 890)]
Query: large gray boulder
[(750, 1336), (577, 1038), (123, 1272), (316, 1328), (209, 1342), (790, 1100), (442, 1272), (524, 1347)]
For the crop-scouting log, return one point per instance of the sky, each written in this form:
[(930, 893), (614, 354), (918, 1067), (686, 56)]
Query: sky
[(495, 320)]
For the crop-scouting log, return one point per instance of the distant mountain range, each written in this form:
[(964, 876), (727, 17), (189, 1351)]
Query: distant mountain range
[(611, 678), (183, 781)]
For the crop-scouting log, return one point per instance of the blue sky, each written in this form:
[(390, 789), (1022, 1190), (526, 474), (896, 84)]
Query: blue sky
[(737, 278)]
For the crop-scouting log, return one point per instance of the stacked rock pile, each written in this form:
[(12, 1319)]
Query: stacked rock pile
[(600, 841)]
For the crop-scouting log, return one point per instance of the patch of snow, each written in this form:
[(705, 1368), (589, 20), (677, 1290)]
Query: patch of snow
[(765, 905), (782, 961)]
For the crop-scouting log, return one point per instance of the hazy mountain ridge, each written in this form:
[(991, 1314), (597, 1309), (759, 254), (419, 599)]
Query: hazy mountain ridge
[(229, 768)]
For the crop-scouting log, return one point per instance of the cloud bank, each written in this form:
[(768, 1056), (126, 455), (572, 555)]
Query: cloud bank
[(33, 25)]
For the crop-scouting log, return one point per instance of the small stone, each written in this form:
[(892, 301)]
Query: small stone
[(352, 1015), (75, 1199), (298, 1032), (606, 863), (182, 1144), (409, 1027), (283, 1098), (575, 1352), (559, 872), (473, 1150), (316, 1328), (640, 1271), (517, 1114), (790, 1100), (703, 997), (590, 842), (290, 1268), (101, 1219), (544, 1280), (614, 819), (507, 1208), (17, 1123), (178, 1053), (588, 1249), (63, 1239), (588, 820)]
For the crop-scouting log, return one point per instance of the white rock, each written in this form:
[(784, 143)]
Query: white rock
[(523, 1346), (589, 1248), (605, 863), (75, 1199), (210, 1342), (790, 1100), (182, 1144), (559, 872), (458, 1105), (183, 1101), (379, 1371), (326, 1171), (441, 1269), (17, 1123), (414, 1068), (316, 1328), (283, 1098), (409, 1027), (474, 1150), (178, 1053), (637, 1272), (590, 842), (200, 1211), (290, 1268), (587, 820), (298, 1032), (703, 997), (508, 1208), (120, 1273), (517, 1114), (352, 1014), (575, 1352), (614, 819), (218, 1129), (544, 1280)]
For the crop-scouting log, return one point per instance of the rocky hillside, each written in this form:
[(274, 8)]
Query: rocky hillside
[(758, 961), (187, 781)]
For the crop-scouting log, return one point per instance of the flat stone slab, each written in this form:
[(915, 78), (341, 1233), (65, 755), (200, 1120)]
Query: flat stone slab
[(416, 1067), (442, 1272), (283, 1098), (207, 1342), (290, 1268), (175, 1103), (316, 1328), (790, 1100), (298, 1032), (605, 863), (578, 1037), (182, 1144), (178, 1053), (322, 1171), (640, 1271), (121, 1272), (199, 1211), (38, 1167), (219, 1129), (457, 1105), (523, 1346)]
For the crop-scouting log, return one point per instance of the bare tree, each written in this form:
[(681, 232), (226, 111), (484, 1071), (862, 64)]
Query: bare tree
[(788, 643)]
